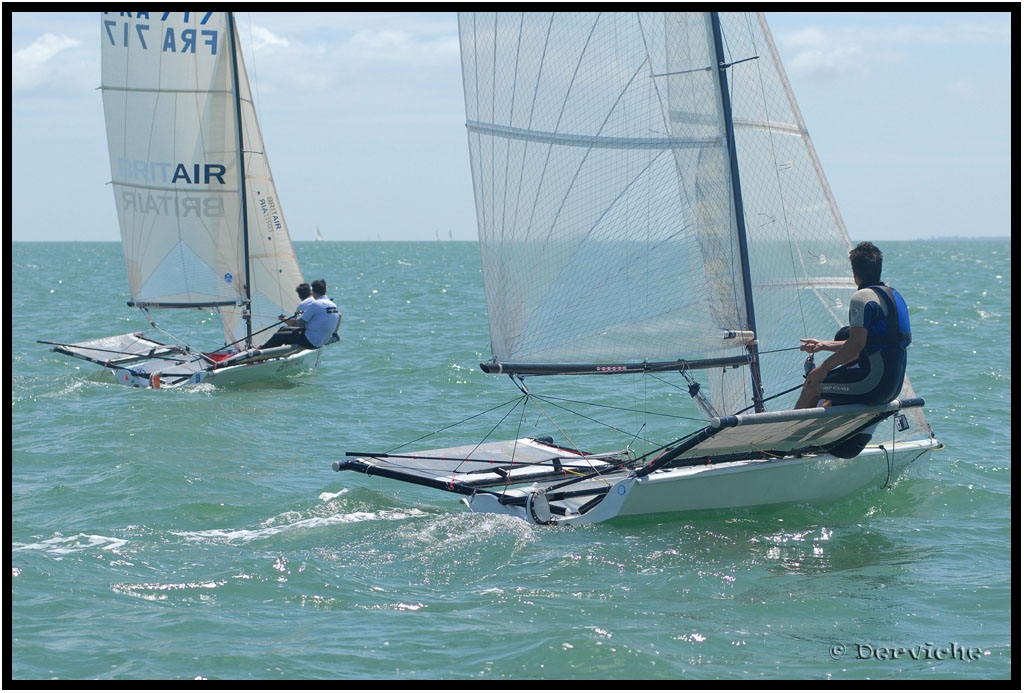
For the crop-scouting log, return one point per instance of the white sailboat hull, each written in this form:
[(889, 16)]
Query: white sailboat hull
[(228, 376), (259, 372), (737, 484), (814, 455), (137, 361)]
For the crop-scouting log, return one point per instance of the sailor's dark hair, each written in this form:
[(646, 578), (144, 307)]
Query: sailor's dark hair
[(319, 287), (302, 290), (866, 262)]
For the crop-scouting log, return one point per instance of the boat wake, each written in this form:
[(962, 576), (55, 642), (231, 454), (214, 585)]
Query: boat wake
[(74, 544)]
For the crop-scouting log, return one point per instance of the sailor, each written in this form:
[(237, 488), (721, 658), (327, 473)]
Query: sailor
[(317, 325), (867, 367), (305, 297)]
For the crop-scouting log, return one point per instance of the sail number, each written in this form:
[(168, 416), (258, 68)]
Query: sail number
[(168, 39)]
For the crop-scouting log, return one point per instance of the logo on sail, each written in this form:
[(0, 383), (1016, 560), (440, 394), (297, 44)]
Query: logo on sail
[(151, 172), (138, 175), (209, 172), (171, 204), (272, 218)]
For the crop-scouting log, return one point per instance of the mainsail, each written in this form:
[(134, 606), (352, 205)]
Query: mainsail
[(201, 225), (609, 205)]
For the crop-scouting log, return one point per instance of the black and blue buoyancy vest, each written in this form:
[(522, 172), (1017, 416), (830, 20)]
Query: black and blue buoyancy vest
[(892, 330)]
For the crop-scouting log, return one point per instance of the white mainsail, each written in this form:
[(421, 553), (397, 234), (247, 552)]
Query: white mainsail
[(196, 202), (608, 213)]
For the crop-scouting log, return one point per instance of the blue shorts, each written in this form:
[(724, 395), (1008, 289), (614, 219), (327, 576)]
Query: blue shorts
[(873, 379)]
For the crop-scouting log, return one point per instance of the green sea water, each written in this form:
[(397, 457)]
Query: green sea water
[(201, 533)]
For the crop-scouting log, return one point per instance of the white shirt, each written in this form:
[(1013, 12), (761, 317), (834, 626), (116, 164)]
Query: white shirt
[(320, 318)]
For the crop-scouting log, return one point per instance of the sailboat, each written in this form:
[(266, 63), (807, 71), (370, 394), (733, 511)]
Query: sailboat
[(200, 219), (319, 236), (649, 204)]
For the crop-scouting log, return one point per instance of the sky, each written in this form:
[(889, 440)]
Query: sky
[(363, 120)]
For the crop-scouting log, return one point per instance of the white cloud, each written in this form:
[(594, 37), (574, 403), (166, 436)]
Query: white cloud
[(815, 51), (403, 47), (861, 43), (262, 37), (342, 57), (33, 65)]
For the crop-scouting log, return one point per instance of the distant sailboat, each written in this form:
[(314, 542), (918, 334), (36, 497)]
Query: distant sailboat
[(201, 222), (645, 186), (319, 236)]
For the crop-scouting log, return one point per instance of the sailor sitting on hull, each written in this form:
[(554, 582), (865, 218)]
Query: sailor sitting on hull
[(868, 367), (317, 325), (870, 359)]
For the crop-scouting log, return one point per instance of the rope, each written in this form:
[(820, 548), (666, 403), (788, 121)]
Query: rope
[(779, 351), (776, 395)]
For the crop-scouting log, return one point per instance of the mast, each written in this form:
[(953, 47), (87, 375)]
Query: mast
[(741, 228), (247, 313)]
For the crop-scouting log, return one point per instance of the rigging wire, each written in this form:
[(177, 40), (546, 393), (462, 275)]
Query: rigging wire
[(457, 423), (174, 338), (487, 435)]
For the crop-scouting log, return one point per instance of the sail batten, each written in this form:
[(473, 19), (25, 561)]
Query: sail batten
[(162, 90), (591, 141), (188, 304)]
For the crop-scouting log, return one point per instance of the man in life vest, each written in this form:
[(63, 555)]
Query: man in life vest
[(868, 366)]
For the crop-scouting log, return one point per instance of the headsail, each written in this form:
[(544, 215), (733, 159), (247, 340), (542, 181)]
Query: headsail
[(183, 139), (606, 201)]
